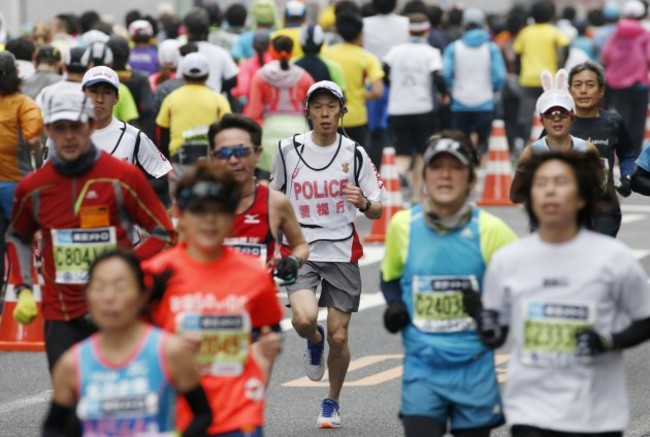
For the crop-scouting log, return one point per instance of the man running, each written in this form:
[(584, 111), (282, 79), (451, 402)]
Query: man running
[(123, 141), (327, 177), (262, 214), (572, 300), (84, 201), (434, 251)]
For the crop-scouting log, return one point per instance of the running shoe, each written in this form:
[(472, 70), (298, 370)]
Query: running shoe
[(314, 360), (330, 414)]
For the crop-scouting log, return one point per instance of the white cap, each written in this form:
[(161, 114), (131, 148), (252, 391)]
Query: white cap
[(295, 9), (101, 74), (68, 105), (633, 9), (140, 28), (311, 34), (328, 86), (473, 16), (555, 99), (93, 36), (195, 65), (169, 52)]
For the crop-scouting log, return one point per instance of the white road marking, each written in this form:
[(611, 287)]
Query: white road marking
[(630, 218), (19, 404), (635, 208)]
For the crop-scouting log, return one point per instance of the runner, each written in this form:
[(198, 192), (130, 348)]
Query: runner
[(221, 300), (124, 379), (327, 178), (434, 251), (556, 110), (84, 201), (101, 85), (573, 300), (609, 133), (262, 214)]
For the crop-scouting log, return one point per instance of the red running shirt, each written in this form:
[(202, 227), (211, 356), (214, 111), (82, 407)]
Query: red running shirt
[(222, 300)]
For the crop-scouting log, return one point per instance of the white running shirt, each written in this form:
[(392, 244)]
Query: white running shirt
[(544, 292)]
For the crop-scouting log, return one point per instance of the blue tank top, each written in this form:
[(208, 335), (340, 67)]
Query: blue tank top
[(438, 267), (540, 146), (130, 399)]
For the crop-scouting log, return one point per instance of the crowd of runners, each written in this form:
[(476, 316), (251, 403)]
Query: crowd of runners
[(171, 173)]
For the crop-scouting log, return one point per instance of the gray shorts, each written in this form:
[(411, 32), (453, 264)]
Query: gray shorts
[(340, 284)]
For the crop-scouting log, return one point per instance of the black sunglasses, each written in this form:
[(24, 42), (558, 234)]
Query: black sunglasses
[(239, 151)]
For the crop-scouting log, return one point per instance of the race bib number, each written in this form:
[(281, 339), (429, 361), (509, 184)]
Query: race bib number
[(75, 249), (225, 340), (438, 303), (549, 331), (134, 415), (257, 250)]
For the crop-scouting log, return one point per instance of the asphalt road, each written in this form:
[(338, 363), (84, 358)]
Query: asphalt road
[(370, 398)]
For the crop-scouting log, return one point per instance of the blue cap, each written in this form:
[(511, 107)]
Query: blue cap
[(612, 11)]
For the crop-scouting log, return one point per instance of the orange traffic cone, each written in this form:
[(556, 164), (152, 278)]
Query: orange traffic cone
[(646, 135), (496, 190), (537, 128), (13, 335), (390, 177)]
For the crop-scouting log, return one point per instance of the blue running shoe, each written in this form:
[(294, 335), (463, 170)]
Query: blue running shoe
[(314, 360), (330, 414)]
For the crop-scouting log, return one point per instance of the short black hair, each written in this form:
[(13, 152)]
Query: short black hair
[(236, 15), (384, 7), (346, 6), (197, 24), (87, 20), (22, 48), (236, 121), (588, 171), (131, 16), (455, 16), (120, 48), (214, 12), (414, 6), (542, 11), (349, 26), (590, 66)]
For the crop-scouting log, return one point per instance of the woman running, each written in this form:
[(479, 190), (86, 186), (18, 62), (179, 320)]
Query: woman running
[(123, 380)]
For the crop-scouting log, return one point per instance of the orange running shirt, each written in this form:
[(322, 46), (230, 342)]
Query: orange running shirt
[(223, 300)]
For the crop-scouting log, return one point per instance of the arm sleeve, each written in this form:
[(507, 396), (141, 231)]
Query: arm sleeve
[(30, 120), (640, 181), (625, 151), (230, 68), (147, 211), (255, 105), (201, 412), (19, 235)]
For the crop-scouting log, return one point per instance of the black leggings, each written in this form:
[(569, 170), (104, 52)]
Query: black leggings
[(531, 431), (60, 336), (422, 426)]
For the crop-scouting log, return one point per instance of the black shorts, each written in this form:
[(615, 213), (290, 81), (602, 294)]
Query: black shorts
[(61, 335), (411, 132), (532, 431)]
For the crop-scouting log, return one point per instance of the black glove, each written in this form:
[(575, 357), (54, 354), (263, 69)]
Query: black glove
[(489, 330), (589, 343), (624, 189), (287, 269), (472, 303), (396, 317)]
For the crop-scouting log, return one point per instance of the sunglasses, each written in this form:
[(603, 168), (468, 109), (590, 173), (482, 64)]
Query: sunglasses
[(562, 114), (239, 151)]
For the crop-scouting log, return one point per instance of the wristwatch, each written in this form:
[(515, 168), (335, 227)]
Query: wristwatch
[(367, 207)]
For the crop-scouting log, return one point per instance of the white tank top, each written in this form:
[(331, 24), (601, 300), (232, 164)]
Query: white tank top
[(472, 74)]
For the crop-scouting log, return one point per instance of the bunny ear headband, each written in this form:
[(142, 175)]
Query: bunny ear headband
[(555, 92)]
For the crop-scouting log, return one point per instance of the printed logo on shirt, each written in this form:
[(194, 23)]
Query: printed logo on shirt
[(206, 301), (597, 142), (555, 282), (345, 167), (251, 219), (91, 194)]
